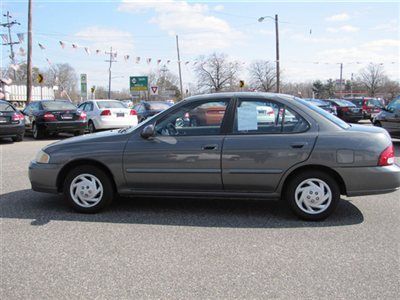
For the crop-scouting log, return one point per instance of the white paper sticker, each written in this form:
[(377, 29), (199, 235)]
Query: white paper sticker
[(247, 118)]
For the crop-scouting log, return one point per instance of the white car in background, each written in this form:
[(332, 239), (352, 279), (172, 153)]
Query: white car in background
[(108, 114)]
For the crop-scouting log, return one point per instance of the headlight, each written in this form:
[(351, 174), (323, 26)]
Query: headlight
[(42, 157)]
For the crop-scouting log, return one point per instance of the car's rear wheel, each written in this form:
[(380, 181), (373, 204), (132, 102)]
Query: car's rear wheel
[(88, 189), (37, 132), (18, 138), (312, 195), (91, 127)]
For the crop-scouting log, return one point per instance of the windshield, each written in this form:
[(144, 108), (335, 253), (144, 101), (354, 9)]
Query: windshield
[(159, 106), (58, 105), (325, 114), (110, 104)]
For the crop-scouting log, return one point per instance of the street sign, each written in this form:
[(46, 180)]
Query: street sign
[(241, 83), (138, 83), (40, 78), (153, 90), (84, 86)]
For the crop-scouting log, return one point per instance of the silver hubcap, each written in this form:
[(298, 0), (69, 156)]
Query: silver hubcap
[(86, 190), (34, 131), (313, 196)]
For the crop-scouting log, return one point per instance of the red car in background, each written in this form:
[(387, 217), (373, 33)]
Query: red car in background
[(370, 106)]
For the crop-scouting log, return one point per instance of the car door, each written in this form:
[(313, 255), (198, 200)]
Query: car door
[(263, 146), (390, 118), (180, 156), (30, 112)]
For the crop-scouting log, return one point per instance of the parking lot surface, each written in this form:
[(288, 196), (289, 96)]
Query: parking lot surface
[(190, 248)]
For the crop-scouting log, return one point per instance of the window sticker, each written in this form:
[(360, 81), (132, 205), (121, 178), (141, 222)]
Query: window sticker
[(247, 118)]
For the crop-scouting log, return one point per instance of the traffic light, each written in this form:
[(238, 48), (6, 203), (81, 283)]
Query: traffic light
[(241, 83)]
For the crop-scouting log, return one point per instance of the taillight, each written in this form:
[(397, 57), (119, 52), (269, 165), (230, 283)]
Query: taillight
[(17, 117), (82, 116), (133, 112), (49, 117), (271, 113), (387, 157), (106, 112)]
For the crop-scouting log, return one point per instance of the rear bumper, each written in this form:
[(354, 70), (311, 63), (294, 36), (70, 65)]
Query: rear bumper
[(112, 123), (63, 126), (43, 177), (11, 130), (370, 180)]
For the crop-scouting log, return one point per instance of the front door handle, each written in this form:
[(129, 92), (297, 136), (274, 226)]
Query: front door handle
[(298, 145), (210, 147)]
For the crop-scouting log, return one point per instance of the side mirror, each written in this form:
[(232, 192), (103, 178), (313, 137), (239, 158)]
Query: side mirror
[(147, 131)]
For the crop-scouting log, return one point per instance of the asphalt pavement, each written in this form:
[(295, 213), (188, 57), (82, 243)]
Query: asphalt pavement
[(190, 248)]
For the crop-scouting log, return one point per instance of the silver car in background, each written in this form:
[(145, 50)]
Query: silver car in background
[(108, 114), (304, 156)]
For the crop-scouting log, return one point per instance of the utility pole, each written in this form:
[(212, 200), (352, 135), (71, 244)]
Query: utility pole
[(277, 54), (10, 42), (340, 79), (109, 70), (179, 66), (29, 56)]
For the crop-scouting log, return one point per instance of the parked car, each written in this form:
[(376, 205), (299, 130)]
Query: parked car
[(322, 104), (308, 161), (146, 109), (52, 117), (370, 106), (12, 123), (208, 114), (389, 118), (346, 110), (108, 114)]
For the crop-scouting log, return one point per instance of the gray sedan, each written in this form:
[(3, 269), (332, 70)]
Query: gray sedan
[(236, 145)]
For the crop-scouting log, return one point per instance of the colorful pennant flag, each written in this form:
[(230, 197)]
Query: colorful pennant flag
[(41, 46), (20, 37), (126, 57), (168, 61), (4, 38), (75, 46), (148, 61), (62, 44), (87, 50), (137, 59), (158, 61), (21, 51), (98, 51)]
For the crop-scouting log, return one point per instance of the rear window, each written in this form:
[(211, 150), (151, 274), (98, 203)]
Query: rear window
[(6, 107), (110, 104), (325, 114), (374, 102), (344, 103), (159, 106), (357, 102), (58, 105)]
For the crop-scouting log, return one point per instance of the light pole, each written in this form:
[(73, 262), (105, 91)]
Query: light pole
[(277, 47)]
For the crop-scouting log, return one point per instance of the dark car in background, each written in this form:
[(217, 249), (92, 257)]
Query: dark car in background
[(322, 104), (52, 117), (370, 106), (389, 118), (147, 109), (12, 123), (346, 110)]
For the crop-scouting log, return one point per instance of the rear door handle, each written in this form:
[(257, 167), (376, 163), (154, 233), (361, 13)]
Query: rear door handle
[(298, 145), (210, 147)]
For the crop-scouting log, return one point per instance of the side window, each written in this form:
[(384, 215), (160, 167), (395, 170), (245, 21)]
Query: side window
[(35, 106), (89, 106), (266, 117), (394, 105), (194, 119), (140, 109), (82, 106)]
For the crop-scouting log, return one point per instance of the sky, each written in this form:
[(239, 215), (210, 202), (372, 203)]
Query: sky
[(315, 37)]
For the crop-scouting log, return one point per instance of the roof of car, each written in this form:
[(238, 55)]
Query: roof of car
[(238, 94)]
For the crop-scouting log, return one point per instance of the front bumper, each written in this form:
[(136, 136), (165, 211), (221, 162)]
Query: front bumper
[(43, 177), (361, 181), (63, 126)]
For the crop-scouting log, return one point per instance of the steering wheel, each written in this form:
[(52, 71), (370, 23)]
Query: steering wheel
[(171, 129)]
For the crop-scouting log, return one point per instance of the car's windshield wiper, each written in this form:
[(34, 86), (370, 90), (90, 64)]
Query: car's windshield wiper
[(122, 130)]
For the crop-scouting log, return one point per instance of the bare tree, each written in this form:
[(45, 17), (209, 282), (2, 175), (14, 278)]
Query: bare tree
[(64, 76), (216, 73), (372, 77), (262, 75)]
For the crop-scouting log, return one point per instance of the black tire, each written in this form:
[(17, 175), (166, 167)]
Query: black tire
[(79, 132), (108, 190), (18, 138), (37, 133), (91, 127), (293, 184)]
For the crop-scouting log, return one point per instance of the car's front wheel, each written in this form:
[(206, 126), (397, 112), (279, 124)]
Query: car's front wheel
[(91, 127), (312, 195), (88, 189)]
